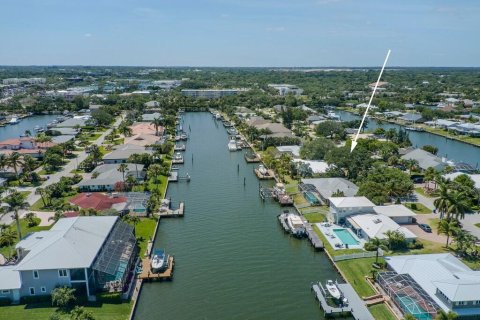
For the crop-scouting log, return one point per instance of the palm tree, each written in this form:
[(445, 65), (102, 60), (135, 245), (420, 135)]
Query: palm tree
[(154, 171), (377, 243), (16, 202), (458, 205), (7, 238), (125, 130), (3, 161), (131, 181), (134, 219), (28, 133), (14, 160), (443, 201), (157, 123), (28, 165), (443, 315), (57, 216), (42, 138), (448, 228), (123, 167), (429, 176)]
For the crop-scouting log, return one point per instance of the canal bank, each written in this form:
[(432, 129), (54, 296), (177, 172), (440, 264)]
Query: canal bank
[(11, 131), (451, 149), (233, 261)]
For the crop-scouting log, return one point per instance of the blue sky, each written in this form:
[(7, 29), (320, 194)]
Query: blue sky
[(292, 33)]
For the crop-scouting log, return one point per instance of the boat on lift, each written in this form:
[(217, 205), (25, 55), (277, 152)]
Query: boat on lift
[(333, 289)]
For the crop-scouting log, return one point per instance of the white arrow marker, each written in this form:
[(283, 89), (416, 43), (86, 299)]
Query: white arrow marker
[(354, 142)]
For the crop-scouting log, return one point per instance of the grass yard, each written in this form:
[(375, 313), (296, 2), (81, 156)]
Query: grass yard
[(25, 229), (144, 231), (355, 271), (477, 225), (421, 191), (39, 206), (418, 208), (315, 217), (380, 311), (43, 311), (292, 187)]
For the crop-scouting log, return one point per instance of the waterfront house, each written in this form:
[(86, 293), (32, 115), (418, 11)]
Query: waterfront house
[(317, 166), (108, 178), (99, 201), (397, 212), (470, 129), (244, 112), (441, 123), (74, 122), (369, 226), (325, 187), (90, 254), (277, 130), (143, 140), (293, 151), (432, 282), (123, 152), (152, 104), (412, 118), (25, 145), (474, 177), (149, 117), (145, 128), (425, 159), (343, 207)]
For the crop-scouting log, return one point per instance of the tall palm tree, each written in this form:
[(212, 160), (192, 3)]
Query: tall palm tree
[(157, 123), (377, 243), (134, 219), (123, 167), (443, 201), (28, 165), (28, 133), (7, 238), (458, 205), (15, 160), (16, 202), (3, 161), (448, 228), (429, 176), (154, 172), (125, 130)]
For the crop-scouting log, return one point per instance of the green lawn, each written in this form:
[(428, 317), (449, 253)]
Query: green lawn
[(25, 230), (477, 225), (314, 217), (418, 208), (39, 206), (292, 187), (355, 271), (144, 231), (380, 311), (421, 191), (42, 311)]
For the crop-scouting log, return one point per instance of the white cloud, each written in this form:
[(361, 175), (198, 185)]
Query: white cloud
[(276, 29), (87, 35)]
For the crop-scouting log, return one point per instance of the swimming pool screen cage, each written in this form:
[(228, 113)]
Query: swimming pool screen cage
[(408, 295), (117, 255), (307, 187)]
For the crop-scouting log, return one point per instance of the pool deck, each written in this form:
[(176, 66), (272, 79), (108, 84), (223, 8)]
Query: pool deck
[(334, 240)]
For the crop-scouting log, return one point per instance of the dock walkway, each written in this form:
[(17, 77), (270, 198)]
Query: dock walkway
[(146, 273), (313, 237), (358, 308), (173, 213)]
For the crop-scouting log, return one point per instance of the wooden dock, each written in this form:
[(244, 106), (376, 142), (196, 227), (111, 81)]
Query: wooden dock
[(147, 273), (321, 296), (173, 213), (313, 237), (178, 161)]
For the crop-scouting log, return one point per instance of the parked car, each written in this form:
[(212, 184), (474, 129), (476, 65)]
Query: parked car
[(425, 227)]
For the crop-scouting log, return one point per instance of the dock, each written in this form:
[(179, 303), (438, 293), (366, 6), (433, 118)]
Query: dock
[(269, 175), (251, 158), (175, 177), (171, 213), (266, 193), (181, 147), (177, 161), (281, 219), (355, 306), (147, 274), (313, 237)]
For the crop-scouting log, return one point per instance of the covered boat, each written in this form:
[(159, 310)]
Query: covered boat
[(159, 261), (295, 224)]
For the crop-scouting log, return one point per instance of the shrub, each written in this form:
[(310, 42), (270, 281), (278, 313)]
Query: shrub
[(62, 297), (413, 206), (35, 299), (415, 245), (5, 302)]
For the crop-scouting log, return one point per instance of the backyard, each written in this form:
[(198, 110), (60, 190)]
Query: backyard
[(25, 229)]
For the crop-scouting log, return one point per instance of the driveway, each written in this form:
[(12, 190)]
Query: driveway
[(469, 223), (430, 236)]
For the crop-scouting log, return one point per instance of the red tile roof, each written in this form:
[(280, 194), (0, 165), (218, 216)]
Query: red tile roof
[(97, 201)]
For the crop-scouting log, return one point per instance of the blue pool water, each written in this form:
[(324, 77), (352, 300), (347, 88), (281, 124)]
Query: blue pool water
[(345, 236), (310, 197), (411, 306)]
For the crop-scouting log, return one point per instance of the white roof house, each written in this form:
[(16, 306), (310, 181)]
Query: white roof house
[(397, 212), (70, 243), (447, 280), (347, 202), (343, 207), (327, 186), (474, 177), (376, 225), (317, 166), (425, 159), (294, 150)]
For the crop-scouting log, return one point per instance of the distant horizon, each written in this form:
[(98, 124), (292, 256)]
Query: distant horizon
[(236, 67)]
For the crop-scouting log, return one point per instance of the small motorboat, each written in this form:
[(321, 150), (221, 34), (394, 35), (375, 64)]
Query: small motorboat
[(232, 145), (218, 116), (159, 261), (333, 289), (14, 120), (262, 170)]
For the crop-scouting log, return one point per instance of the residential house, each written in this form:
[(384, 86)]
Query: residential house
[(412, 118), (152, 104), (343, 207), (99, 201), (122, 152), (142, 140), (425, 159), (25, 145), (369, 226), (149, 117), (326, 187), (432, 281), (293, 151), (90, 254), (397, 212), (285, 89), (107, 177)]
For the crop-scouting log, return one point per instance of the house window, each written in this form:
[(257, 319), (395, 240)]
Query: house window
[(62, 272), (32, 291), (35, 274), (43, 289), (476, 302), (461, 303), (5, 291)]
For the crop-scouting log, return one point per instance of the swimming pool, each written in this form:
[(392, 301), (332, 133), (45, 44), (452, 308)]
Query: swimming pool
[(310, 197), (409, 305), (346, 237)]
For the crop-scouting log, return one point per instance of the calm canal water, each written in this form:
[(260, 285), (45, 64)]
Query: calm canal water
[(233, 261), (451, 149), (29, 123)]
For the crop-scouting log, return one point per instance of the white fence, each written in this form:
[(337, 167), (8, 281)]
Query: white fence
[(367, 254)]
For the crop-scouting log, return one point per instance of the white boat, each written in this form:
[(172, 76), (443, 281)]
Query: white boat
[(218, 116), (262, 170), (232, 145), (333, 289), (178, 157), (332, 115), (14, 120), (159, 261), (295, 224)]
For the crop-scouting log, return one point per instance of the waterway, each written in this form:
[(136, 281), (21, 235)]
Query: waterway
[(233, 260), (16, 130), (451, 149)]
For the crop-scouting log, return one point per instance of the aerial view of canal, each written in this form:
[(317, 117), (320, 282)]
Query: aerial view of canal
[(451, 149), (16, 130), (232, 259)]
